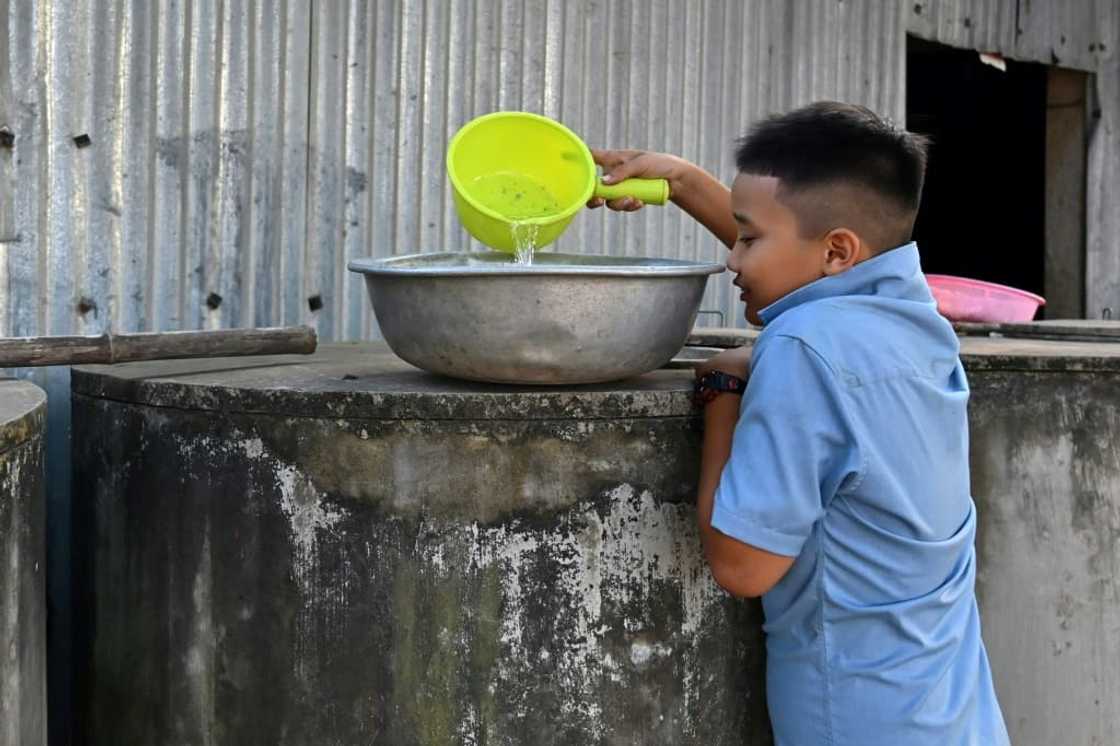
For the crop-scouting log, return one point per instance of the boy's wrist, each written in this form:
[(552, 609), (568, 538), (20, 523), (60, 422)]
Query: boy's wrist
[(712, 383), (682, 182)]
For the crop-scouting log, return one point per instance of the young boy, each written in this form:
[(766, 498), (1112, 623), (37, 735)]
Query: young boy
[(835, 482)]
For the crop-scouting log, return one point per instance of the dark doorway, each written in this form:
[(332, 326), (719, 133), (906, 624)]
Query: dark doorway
[(984, 205)]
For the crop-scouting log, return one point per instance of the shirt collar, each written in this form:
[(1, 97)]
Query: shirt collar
[(896, 273)]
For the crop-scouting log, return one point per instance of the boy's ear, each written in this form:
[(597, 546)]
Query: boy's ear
[(842, 250)]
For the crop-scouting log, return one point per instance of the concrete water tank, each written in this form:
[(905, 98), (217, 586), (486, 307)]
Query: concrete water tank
[(23, 615), (344, 550), (1045, 415)]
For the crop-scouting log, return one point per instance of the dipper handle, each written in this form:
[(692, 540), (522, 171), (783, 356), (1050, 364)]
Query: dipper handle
[(650, 191)]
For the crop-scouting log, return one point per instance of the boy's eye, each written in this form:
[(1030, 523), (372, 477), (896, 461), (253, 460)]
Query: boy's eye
[(746, 240)]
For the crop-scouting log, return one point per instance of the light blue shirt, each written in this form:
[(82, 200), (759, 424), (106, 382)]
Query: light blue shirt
[(851, 454)]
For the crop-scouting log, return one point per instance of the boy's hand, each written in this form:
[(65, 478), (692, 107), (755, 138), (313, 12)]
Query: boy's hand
[(736, 361), (691, 188), (638, 164), (722, 412)]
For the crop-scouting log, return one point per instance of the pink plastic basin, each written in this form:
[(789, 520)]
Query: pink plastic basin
[(962, 299)]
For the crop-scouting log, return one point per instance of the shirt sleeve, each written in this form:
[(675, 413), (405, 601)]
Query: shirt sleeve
[(791, 450)]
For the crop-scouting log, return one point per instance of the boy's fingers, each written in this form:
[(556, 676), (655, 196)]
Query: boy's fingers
[(604, 157), (611, 158), (596, 202), (639, 166), (625, 204), (619, 172), (620, 164)]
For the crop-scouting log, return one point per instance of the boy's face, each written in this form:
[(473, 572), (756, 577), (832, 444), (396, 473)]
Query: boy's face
[(770, 259)]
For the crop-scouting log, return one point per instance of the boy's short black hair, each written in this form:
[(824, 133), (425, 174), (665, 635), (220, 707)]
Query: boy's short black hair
[(830, 144)]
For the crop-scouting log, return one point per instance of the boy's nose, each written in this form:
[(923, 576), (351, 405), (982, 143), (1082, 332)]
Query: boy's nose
[(732, 262)]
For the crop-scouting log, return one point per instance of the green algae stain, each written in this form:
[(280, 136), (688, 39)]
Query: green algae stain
[(428, 656), (485, 651), (405, 678)]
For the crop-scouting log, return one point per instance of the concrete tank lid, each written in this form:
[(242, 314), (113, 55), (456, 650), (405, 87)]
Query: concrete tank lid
[(367, 381), (1095, 346), (22, 412), (1039, 355)]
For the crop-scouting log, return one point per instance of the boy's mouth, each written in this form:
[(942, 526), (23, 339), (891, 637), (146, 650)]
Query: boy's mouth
[(742, 292)]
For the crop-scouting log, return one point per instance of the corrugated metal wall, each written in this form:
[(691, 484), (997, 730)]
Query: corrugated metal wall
[(1070, 33), (242, 151)]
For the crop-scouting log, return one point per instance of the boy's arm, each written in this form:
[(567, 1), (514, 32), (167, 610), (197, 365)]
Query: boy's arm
[(742, 570), (691, 188), (794, 449)]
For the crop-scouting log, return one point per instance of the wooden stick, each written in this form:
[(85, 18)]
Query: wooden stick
[(123, 348)]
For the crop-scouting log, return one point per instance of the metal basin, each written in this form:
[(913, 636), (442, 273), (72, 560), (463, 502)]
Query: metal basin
[(565, 319)]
